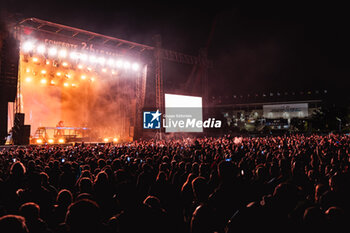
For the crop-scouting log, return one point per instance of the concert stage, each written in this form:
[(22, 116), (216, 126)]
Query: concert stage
[(80, 78)]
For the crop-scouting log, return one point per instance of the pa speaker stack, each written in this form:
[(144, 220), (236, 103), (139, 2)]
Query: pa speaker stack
[(20, 131)]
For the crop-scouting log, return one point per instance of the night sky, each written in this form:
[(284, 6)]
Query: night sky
[(300, 47)]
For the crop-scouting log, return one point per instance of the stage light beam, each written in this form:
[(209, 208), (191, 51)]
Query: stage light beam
[(62, 53), (101, 61), (119, 63), (73, 55), (41, 49), (52, 51), (28, 46), (127, 65), (135, 67)]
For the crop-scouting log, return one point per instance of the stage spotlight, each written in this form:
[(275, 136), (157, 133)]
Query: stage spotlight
[(43, 71), (52, 51), (83, 57), (61, 140), (50, 141), (65, 64), (62, 53), (104, 70), (92, 79), (74, 85), (39, 141), (41, 49), (111, 62), (68, 76), (119, 63), (101, 61), (105, 139), (35, 59), (80, 66), (73, 55), (28, 46), (52, 82), (135, 66), (43, 81), (47, 62), (126, 65), (65, 84), (27, 70), (115, 139), (28, 79), (92, 59), (83, 77)]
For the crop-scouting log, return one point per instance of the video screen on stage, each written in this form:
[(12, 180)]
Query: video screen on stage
[(183, 113)]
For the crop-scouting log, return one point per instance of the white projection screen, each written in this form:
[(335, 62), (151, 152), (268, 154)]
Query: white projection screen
[(181, 113)]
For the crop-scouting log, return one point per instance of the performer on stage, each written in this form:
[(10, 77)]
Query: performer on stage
[(59, 132)]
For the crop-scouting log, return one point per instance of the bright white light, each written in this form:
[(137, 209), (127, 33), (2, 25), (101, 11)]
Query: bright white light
[(62, 53), (83, 57), (52, 51), (92, 59), (41, 49), (175, 104), (182, 101), (28, 46), (119, 63), (127, 65), (110, 62), (101, 60), (73, 55), (135, 66)]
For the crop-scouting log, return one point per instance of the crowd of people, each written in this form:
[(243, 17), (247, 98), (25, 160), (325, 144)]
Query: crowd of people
[(291, 183)]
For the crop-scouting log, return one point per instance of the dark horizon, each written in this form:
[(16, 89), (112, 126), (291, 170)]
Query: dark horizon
[(253, 50)]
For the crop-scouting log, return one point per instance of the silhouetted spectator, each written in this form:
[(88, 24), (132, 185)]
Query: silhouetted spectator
[(31, 212), (13, 224)]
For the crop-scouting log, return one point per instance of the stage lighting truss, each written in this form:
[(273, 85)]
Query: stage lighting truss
[(70, 58)]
